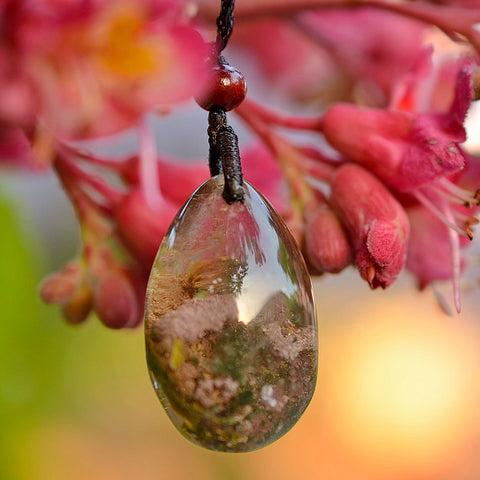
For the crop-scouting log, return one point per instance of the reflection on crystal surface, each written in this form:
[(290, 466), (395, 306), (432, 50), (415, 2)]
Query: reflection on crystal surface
[(230, 323)]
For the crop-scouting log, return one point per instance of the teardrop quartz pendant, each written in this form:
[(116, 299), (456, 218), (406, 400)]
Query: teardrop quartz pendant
[(230, 323)]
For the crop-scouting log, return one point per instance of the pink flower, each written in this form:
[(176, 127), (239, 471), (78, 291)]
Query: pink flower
[(365, 44), (100, 284), (93, 68), (429, 255), (70, 289), (375, 221), (406, 150), (392, 187), (416, 153), (18, 99), (442, 225), (334, 53), (60, 287)]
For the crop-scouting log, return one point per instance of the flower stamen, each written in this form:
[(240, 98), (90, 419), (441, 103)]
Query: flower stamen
[(445, 190), (426, 202), (468, 224), (460, 195)]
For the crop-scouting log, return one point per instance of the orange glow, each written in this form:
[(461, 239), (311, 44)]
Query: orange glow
[(404, 391)]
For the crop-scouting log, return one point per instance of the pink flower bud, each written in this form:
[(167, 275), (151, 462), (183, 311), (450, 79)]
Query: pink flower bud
[(326, 242), (375, 221), (77, 309), (69, 288), (60, 287), (115, 301), (141, 226)]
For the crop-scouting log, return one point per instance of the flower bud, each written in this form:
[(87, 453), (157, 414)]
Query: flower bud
[(326, 242), (376, 223), (77, 309), (142, 226), (60, 287), (115, 301)]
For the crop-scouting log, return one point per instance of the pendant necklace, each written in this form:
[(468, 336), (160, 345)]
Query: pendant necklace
[(230, 328)]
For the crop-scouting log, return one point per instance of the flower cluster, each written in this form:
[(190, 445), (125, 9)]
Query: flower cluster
[(78, 68), (384, 182)]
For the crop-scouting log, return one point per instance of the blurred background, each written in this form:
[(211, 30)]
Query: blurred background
[(397, 397), (398, 391)]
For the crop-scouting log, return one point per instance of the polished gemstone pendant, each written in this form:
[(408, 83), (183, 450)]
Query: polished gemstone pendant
[(230, 322)]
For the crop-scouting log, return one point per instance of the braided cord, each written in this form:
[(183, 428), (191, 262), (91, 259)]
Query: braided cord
[(224, 24)]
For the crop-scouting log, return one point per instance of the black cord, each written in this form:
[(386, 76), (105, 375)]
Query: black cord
[(224, 156), (224, 24)]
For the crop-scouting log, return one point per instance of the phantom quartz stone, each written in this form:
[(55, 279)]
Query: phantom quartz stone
[(230, 325)]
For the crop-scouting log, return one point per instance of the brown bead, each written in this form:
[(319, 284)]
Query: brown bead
[(227, 89)]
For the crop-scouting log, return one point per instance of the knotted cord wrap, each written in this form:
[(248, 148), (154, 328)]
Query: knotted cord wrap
[(224, 156), (216, 119)]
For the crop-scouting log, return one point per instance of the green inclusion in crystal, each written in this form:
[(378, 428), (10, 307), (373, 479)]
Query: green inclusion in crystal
[(230, 323)]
